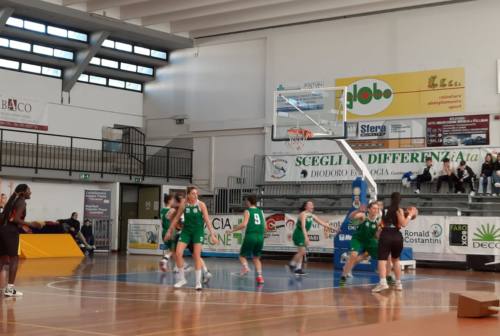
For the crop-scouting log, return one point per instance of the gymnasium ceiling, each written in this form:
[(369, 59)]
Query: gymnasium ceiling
[(201, 18)]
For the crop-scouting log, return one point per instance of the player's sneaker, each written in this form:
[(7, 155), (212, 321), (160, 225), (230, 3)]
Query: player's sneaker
[(187, 268), (417, 191), (390, 280), (299, 272), (164, 264), (291, 268), (349, 275), (244, 270), (379, 288), (198, 286), (343, 278), (206, 277), (259, 280), (11, 292), (398, 286), (180, 283)]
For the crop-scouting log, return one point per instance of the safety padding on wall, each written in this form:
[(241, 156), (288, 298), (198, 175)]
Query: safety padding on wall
[(48, 246)]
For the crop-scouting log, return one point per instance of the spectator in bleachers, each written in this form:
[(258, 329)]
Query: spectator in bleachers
[(465, 176), (496, 176), (446, 175), (486, 172), (427, 174)]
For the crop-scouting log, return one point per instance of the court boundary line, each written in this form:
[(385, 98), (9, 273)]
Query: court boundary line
[(27, 324)]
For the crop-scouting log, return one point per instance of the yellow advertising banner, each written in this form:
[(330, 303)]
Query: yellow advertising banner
[(404, 95)]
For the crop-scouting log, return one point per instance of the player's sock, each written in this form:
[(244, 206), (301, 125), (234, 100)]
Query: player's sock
[(299, 265), (205, 269), (197, 274)]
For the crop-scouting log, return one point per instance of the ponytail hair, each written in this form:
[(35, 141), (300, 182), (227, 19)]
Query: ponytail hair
[(9, 207), (390, 217), (304, 205)]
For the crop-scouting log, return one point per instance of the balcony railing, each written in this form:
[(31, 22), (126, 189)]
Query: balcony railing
[(44, 151)]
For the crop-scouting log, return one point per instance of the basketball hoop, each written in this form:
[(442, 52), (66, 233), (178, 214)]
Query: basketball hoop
[(298, 137)]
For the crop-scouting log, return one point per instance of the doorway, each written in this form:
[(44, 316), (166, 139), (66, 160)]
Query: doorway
[(137, 202)]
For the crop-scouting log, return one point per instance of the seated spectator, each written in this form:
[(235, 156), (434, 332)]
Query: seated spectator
[(446, 175), (465, 176), (427, 174), (87, 233), (486, 172), (72, 226), (496, 176)]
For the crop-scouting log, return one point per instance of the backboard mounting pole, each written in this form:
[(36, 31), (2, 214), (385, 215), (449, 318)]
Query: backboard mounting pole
[(360, 166)]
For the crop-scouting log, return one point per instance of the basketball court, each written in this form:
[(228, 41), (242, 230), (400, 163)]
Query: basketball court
[(129, 296)]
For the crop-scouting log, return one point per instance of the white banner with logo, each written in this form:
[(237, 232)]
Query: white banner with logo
[(391, 129), (18, 112), (473, 235), (383, 165), (425, 234), (144, 236)]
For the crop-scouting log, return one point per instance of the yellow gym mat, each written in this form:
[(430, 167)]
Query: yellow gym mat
[(48, 246)]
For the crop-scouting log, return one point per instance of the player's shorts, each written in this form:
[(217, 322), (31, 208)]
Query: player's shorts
[(194, 235), (390, 243), (252, 245), (298, 238), (365, 245), (9, 240)]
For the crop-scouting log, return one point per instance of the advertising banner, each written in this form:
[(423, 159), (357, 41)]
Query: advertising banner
[(383, 165), (403, 95), (144, 236), (97, 204), (425, 234), (473, 235), (458, 131), (20, 112), (405, 133)]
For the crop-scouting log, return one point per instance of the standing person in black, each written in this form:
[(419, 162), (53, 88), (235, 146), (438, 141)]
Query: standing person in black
[(11, 222), (496, 176), (87, 233), (465, 176), (391, 241), (486, 172)]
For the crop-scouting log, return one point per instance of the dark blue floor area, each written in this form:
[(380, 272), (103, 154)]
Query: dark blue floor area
[(225, 276)]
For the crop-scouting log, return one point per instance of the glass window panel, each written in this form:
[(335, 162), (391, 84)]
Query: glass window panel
[(15, 22), (4, 63), (20, 45), (57, 31), (31, 68), (4, 42), (97, 80), (123, 46), (63, 54), (128, 67), (142, 51), (116, 83), (95, 61), (83, 78), (134, 86), (35, 26), (145, 70), (159, 54), (51, 72), (108, 44), (77, 36), (43, 50), (109, 63)]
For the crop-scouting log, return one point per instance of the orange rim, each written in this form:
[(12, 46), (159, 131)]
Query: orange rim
[(305, 133)]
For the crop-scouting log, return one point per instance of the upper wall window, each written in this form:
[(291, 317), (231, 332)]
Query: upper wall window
[(47, 29), (139, 50)]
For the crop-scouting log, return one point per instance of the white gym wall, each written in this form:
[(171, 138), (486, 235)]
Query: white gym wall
[(228, 80)]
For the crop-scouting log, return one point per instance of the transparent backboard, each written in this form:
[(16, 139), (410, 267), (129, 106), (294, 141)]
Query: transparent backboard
[(321, 111)]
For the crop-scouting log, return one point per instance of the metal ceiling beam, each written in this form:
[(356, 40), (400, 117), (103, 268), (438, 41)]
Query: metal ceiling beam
[(208, 10), (21, 34), (5, 14), (95, 5), (82, 60), (153, 7)]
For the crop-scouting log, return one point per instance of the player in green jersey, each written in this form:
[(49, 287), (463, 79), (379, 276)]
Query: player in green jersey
[(195, 217), (364, 240), (300, 237), (166, 214), (254, 224)]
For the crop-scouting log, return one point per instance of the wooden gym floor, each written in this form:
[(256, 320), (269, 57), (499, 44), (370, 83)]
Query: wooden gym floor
[(117, 295)]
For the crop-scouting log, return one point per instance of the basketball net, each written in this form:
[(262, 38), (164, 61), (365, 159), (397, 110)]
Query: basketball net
[(298, 137)]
